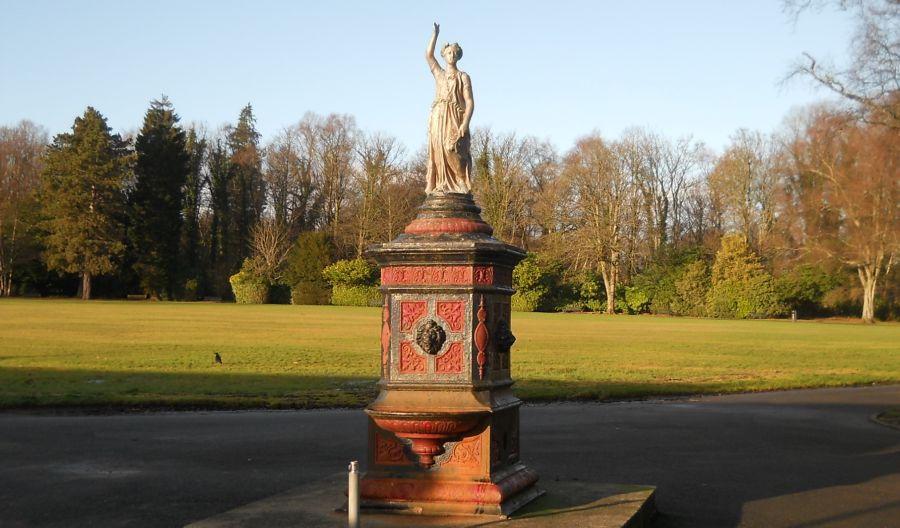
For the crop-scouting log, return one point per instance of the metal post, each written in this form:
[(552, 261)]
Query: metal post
[(353, 495)]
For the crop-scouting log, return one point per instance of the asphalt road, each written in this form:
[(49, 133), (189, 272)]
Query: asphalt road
[(802, 458)]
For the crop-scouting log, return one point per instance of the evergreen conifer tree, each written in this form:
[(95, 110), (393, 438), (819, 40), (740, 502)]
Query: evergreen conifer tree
[(741, 286), (82, 197), (191, 254), (247, 185), (155, 200)]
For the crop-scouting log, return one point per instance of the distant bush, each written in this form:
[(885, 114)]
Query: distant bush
[(804, 289), (527, 300), (356, 272), (344, 295), (309, 292), (353, 283), (311, 254), (537, 285), (741, 287), (279, 294), (636, 300), (591, 296), (248, 288), (191, 290), (657, 281), (691, 289)]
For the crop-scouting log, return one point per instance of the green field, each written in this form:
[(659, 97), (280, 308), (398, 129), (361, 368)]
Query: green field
[(144, 354)]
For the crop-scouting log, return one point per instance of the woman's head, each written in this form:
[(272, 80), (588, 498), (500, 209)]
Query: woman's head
[(451, 52)]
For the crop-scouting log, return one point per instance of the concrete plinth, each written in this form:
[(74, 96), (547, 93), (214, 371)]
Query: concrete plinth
[(567, 503)]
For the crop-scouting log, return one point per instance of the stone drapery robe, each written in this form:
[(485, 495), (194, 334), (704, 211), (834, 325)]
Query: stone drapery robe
[(449, 159)]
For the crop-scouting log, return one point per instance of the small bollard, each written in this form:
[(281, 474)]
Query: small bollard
[(794, 315), (353, 495)]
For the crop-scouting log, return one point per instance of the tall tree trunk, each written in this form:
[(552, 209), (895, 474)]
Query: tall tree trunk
[(869, 279), (608, 272), (86, 286), (12, 258)]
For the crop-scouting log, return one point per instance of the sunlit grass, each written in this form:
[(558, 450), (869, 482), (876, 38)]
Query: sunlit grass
[(60, 353)]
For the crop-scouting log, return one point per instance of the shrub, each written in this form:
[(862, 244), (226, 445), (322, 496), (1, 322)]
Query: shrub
[(279, 294), (191, 290), (741, 287), (657, 282), (804, 288), (591, 294), (352, 283), (310, 292), (845, 299), (311, 254), (356, 272), (691, 289), (752, 297), (527, 300), (637, 300), (632, 299), (247, 287), (537, 284), (653, 289), (345, 295)]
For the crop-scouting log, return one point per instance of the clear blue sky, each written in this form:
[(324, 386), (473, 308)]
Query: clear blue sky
[(556, 70)]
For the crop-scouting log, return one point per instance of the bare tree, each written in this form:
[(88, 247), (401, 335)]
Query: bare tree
[(683, 164), (329, 144), (270, 243), (21, 148), (337, 140), (293, 190), (872, 78), (541, 166), (846, 189), (601, 194), (380, 167), (501, 186), (700, 215), (641, 152), (744, 184)]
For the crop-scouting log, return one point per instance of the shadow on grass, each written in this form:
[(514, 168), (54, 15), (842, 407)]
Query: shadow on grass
[(35, 388)]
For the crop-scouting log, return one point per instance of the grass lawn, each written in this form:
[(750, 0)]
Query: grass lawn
[(144, 354)]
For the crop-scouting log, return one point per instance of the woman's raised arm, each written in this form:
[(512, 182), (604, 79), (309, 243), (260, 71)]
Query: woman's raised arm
[(429, 51)]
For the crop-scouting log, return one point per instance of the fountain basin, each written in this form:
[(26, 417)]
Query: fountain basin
[(427, 431)]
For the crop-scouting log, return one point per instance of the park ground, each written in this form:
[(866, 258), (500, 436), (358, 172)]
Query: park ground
[(117, 354), (765, 460), (768, 459)]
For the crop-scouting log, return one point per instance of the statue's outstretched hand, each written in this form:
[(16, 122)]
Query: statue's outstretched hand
[(437, 28)]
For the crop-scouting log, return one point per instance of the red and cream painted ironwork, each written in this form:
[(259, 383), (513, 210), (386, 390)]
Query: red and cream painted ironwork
[(453, 312), (452, 361), (447, 225), (407, 361), (446, 276), (476, 493), (389, 450), (385, 335), (410, 313), (481, 338)]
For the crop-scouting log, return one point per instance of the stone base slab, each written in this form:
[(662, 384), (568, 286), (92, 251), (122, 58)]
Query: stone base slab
[(566, 503)]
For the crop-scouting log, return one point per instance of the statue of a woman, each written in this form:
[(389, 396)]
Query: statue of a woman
[(449, 161)]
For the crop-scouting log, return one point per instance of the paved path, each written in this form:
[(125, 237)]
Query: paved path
[(804, 458)]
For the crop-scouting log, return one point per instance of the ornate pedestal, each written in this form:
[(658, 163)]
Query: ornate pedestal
[(444, 430)]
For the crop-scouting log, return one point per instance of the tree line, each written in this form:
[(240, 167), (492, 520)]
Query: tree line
[(804, 218)]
